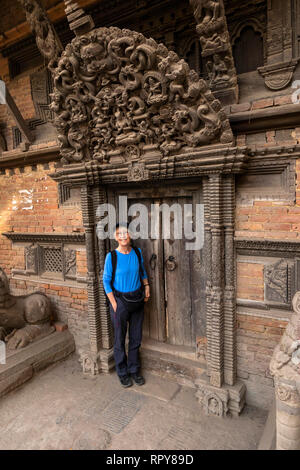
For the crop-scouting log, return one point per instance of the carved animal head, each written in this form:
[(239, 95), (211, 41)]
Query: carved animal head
[(4, 285)]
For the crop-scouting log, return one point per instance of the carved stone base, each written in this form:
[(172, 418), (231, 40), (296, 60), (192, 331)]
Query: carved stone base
[(220, 401), (95, 363), (107, 362)]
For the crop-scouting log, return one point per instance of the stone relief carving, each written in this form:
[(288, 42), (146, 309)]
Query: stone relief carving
[(70, 262), (46, 37), (24, 318), (285, 363), (117, 92), (276, 281), (216, 47), (31, 259), (213, 403)]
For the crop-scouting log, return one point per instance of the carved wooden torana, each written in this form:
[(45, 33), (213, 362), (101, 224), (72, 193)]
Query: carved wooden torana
[(118, 94), (129, 110)]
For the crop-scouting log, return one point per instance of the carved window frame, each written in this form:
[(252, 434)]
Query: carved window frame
[(287, 170), (256, 251), (35, 246), (257, 26)]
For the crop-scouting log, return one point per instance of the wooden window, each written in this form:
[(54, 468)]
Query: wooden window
[(248, 51)]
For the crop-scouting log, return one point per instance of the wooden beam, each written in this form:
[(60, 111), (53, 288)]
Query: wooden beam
[(20, 121)]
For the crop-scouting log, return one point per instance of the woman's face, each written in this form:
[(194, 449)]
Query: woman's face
[(122, 236)]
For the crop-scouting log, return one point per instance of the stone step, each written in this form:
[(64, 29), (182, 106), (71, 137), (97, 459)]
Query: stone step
[(23, 364)]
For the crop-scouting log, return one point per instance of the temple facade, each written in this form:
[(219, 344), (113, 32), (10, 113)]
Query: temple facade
[(164, 102)]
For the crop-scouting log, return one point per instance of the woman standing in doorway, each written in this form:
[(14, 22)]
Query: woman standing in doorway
[(127, 287)]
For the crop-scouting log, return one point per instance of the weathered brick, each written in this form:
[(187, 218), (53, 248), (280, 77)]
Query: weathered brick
[(260, 104), (241, 107)]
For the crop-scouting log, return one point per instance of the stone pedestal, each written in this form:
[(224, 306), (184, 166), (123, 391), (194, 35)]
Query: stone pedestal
[(285, 367), (22, 365), (220, 401), (287, 414)]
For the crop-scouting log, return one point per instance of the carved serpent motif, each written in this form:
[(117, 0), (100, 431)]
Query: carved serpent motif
[(115, 89)]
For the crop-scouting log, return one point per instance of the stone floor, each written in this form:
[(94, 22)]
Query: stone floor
[(62, 409)]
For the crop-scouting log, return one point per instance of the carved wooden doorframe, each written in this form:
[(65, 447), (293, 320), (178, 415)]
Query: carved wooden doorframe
[(128, 110)]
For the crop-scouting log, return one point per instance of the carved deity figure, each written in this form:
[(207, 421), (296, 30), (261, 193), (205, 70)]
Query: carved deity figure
[(23, 318), (206, 10)]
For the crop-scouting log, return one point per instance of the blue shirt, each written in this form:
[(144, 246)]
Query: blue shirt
[(127, 277)]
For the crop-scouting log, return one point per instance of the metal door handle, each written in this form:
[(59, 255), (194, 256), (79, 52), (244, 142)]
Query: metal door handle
[(171, 264), (153, 261)]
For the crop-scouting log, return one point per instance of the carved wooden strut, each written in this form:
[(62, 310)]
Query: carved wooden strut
[(216, 48)]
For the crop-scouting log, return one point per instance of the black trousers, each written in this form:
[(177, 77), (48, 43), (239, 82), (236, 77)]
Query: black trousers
[(121, 319)]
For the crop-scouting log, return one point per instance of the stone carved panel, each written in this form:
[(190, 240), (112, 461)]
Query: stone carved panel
[(31, 259), (116, 91), (214, 404), (276, 281), (70, 262)]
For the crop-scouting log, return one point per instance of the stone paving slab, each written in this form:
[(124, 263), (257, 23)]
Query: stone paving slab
[(158, 387), (63, 409)]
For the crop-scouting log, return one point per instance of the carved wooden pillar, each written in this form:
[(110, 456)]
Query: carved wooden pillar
[(99, 197), (282, 47), (230, 349), (208, 271), (91, 361), (216, 307)]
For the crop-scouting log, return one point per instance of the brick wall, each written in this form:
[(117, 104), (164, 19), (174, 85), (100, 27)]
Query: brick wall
[(259, 333), (29, 203)]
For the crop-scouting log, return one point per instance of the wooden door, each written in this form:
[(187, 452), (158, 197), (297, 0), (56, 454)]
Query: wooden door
[(176, 312)]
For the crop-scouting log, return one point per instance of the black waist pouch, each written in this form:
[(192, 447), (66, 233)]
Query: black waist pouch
[(133, 300)]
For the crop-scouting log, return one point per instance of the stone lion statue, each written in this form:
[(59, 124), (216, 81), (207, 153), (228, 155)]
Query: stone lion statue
[(23, 318)]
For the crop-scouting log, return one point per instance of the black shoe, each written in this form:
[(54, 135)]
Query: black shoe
[(139, 379), (125, 381)]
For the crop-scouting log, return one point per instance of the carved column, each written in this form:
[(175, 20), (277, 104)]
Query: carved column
[(106, 354), (208, 268), (217, 280), (218, 391), (230, 348), (91, 360), (282, 49)]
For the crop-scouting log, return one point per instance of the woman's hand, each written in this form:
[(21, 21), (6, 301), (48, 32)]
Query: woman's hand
[(147, 293), (112, 301)]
